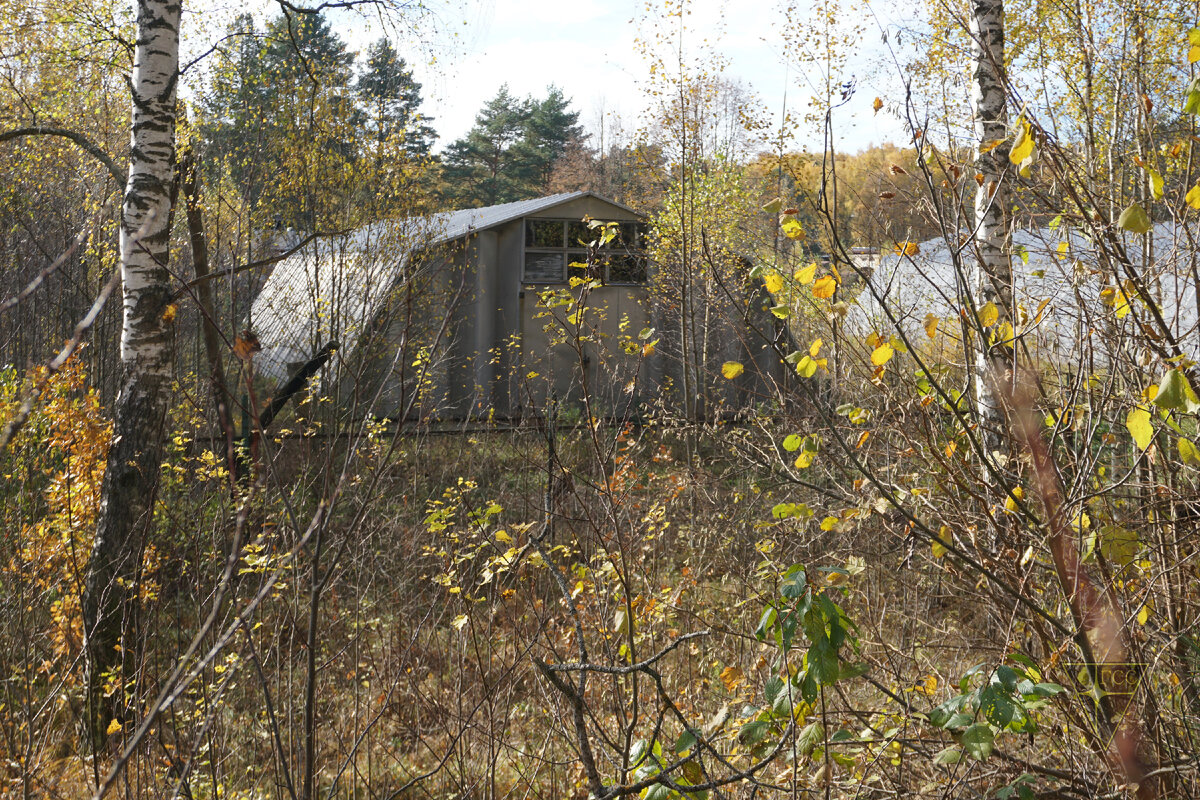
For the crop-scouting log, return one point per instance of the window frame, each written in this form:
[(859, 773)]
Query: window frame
[(575, 253)]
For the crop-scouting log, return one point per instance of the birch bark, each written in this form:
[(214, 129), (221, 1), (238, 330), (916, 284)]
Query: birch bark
[(135, 455), (993, 279)]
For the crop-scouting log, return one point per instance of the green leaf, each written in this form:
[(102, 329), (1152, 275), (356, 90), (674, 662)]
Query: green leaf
[(685, 741), (782, 312), (694, 774), (772, 688), (774, 206), (823, 662), (1175, 393), (978, 741), (1006, 676), (941, 715), (792, 442), (959, 721), (951, 755), (657, 792), (754, 732), (1119, 545), (765, 622), (854, 670), (1192, 104), (1137, 422), (795, 583), (998, 707), (809, 738), (1134, 219), (638, 752)]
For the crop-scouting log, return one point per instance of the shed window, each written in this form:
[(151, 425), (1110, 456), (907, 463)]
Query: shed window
[(552, 244)]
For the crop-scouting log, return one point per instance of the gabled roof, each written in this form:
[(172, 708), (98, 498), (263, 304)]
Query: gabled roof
[(335, 287), (456, 224)]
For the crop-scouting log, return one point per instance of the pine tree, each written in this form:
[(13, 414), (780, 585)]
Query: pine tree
[(484, 168), (551, 127), (510, 153), (304, 47), (391, 99)]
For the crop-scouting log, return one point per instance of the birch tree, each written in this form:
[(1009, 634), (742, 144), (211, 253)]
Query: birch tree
[(993, 277), (146, 351)]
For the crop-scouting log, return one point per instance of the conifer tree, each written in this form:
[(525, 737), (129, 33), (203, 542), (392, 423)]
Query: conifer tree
[(391, 99)]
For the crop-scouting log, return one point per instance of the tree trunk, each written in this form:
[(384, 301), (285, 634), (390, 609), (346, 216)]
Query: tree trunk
[(993, 280), (135, 456)]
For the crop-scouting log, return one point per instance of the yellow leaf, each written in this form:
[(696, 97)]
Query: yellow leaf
[(988, 315), (824, 288), (502, 536), (1144, 615), (1004, 334), (731, 369), (1121, 305), (805, 458), (1194, 36), (774, 282), (648, 349), (931, 323), (792, 228), (908, 249), (1134, 219), (1010, 503), (732, 677), (944, 538), (804, 275), (1062, 248), (1156, 183), (1193, 54), (1193, 197), (458, 622), (878, 104), (815, 348), (828, 523), (862, 439), (1137, 422), (113, 727), (1023, 145), (1188, 453), (882, 354), (621, 623)]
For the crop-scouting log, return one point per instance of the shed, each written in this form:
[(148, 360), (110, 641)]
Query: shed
[(463, 313)]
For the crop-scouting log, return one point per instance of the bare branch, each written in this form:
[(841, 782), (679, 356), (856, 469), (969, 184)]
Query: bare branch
[(84, 143)]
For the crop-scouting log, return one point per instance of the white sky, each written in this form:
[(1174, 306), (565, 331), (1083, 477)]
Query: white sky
[(588, 49)]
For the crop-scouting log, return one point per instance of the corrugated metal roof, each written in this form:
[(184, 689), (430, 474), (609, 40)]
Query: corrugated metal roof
[(334, 287)]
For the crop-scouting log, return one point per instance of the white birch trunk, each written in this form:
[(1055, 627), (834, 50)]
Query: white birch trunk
[(135, 454), (993, 279)]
